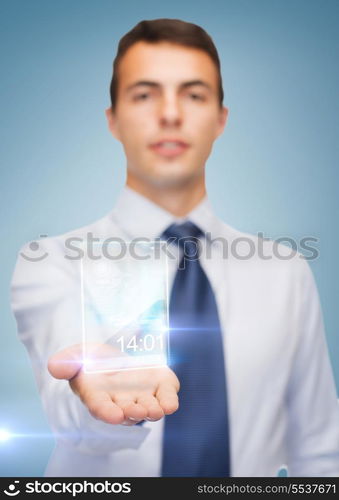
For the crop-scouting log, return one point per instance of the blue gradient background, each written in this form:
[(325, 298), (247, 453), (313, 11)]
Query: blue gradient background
[(274, 170)]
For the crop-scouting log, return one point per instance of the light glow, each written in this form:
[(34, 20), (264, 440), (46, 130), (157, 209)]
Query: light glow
[(4, 435)]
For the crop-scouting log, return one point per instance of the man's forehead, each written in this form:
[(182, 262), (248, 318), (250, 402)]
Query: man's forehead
[(165, 61)]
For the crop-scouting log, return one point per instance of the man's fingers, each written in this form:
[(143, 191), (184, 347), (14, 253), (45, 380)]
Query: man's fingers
[(151, 404), (168, 398), (132, 410), (101, 407), (66, 364), (130, 423), (99, 393)]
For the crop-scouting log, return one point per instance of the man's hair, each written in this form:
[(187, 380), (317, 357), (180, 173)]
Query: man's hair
[(166, 30)]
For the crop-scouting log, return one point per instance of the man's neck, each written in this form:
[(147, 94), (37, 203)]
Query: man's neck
[(178, 200)]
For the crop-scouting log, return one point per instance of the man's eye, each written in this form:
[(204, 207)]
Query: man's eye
[(197, 97), (141, 97)]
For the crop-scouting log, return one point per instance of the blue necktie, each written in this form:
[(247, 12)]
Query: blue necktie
[(196, 437)]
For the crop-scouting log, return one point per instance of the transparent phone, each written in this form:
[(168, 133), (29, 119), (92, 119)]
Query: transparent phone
[(124, 292)]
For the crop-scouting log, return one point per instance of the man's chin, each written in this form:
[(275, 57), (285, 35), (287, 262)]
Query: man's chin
[(170, 181), (171, 177)]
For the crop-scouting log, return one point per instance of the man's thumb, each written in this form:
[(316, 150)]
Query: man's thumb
[(65, 364)]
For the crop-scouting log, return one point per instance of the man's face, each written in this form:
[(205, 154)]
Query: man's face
[(167, 114)]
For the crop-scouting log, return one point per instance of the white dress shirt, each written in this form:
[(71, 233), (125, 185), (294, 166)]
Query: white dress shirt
[(283, 407)]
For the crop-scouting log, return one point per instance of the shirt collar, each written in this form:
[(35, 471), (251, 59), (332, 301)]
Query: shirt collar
[(139, 217)]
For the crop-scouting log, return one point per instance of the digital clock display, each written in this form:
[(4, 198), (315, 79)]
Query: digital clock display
[(125, 306), (149, 343)]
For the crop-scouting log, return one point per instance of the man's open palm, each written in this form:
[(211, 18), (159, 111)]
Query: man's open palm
[(119, 397)]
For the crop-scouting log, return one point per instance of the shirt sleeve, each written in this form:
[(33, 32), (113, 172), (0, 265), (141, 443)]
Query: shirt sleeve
[(45, 299), (313, 409)]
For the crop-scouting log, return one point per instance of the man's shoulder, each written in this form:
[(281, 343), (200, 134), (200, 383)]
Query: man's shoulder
[(100, 228), (257, 253), (56, 244), (55, 258)]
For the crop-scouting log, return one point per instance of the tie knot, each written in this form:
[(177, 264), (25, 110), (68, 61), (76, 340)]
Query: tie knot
[(185, 230), (185, 235)]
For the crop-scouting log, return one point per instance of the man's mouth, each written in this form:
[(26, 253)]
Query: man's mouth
[(169, 149)]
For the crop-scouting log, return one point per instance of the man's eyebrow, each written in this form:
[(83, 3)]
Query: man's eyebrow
[(192, 83), (142, 83), (184, 85)]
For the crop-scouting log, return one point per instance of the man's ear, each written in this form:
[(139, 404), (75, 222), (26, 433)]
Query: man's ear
[(112, 123), (222, 120)]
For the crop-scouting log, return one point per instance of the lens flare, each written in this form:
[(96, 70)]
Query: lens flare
[(4, 435)]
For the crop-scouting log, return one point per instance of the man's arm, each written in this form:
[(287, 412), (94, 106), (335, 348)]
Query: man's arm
[(313, 409), (45, 298)]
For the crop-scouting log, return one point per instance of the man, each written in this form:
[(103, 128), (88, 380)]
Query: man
[(262, 394)]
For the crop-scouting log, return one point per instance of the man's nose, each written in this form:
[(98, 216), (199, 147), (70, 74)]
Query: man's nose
[(170, 112)]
